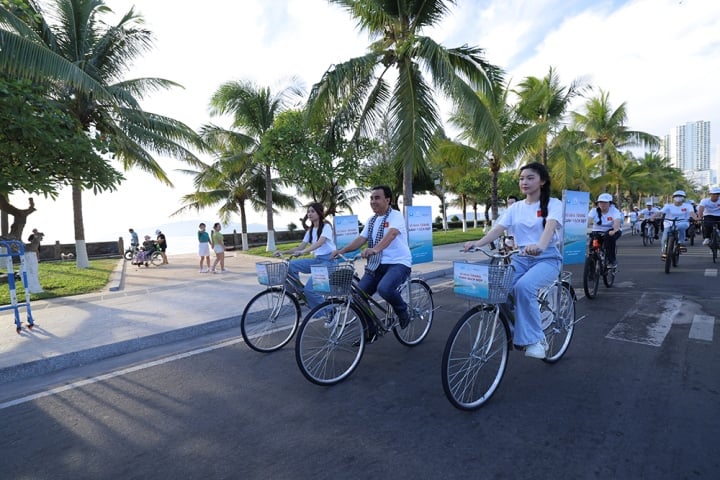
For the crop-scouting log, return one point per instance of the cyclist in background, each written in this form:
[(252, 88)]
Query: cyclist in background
[(606, 218), (647, 215), (633, 217), (709, 213), (681, 210)]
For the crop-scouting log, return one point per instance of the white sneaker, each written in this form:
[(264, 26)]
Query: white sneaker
[(203, 270), (706, 241), (537, 350)]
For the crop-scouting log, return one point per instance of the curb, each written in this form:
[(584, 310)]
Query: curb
[(83, 357)]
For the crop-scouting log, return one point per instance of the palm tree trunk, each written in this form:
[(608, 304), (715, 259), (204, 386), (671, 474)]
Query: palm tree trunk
[(81, 256), (243, 226), (270, 246)]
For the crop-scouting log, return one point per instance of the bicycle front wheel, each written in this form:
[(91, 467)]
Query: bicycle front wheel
[(609, 274), (557, 315), (421, 308), (591, 277), (669, 252), (475, 357), (269, 320), (330, 342), (714, 244)]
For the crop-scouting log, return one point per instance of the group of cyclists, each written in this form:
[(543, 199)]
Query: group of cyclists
[(534, 222), (704, 216)]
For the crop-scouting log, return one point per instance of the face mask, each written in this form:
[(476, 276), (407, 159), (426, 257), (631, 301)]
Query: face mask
[(678, 199)]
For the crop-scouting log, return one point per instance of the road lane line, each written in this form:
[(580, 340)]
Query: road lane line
[(711, 272), (108, 376), (702, 327), (644, 324)]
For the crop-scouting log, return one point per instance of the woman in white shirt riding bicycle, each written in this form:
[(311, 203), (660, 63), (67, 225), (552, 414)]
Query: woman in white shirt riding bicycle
[(709, 213), (535, 223), (682, 211)]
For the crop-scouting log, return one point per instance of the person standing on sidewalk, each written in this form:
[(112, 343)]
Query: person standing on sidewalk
[(218, 243), (32, 254), (204, 248), (162, 245)]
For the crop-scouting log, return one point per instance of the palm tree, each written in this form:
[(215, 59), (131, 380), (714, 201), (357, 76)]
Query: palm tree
[(231, 181), (546, 101), (606, 133), (509, 135), (400, 54), (104, 52), (253, 110)]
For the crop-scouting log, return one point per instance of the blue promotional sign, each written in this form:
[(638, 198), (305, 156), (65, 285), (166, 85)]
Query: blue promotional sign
[(419, 226), (575, 219), (346, 230)]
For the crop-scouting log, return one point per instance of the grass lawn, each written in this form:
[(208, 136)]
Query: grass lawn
[(439, 238), (62, 279)]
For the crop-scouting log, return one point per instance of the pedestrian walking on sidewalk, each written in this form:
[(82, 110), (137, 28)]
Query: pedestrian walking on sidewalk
[(204, 248), (162, 244), (218, 244)]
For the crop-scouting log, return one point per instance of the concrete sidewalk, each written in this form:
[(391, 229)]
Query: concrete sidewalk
[(143, 307)]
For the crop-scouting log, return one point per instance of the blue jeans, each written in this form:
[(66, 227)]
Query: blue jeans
[(532, 274), (682, 227), (302, 265), (386, 280)]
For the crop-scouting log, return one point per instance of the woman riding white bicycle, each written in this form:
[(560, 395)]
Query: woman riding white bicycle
[(534, 223)]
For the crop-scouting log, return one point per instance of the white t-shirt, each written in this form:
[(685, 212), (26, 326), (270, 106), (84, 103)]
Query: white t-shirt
[(607, 219), (398, 251), (681, 212), (327, 247), (645, 214), (633, 216), (710, 207), (525, 222)]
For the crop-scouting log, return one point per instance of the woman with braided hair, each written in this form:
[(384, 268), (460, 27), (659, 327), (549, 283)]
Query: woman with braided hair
[(535, 222)]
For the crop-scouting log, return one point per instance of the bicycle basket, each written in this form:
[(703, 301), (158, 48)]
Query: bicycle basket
[(271, 273), (491, 283), (332, 280)]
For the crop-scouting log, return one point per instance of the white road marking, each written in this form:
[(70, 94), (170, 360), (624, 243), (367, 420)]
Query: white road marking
[(702, 327), (108, 376), (642, 323), (711, 272)]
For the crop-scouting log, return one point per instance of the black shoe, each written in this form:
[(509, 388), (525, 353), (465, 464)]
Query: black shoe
[(656, 237), (404, 320)]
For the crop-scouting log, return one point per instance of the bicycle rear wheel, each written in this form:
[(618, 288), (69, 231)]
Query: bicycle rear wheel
[(591, 277), (557, 319), (475, 357), (420, 301), (269, 320), (330, 343), (669, 252)]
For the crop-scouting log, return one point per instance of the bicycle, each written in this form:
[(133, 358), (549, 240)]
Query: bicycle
[(332, 337), (272, 316), (596, 265), (476, 352), (714, 241), (649, 233), (671, 248), (634, 228)]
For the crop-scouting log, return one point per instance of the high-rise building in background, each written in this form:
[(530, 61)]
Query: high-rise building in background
[(691, 148)]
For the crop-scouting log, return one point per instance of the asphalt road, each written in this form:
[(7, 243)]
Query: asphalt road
[(636, 396)]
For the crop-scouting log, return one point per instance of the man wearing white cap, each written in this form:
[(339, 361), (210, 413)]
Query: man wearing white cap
[(647, 216), (709, 213), (678, 209)]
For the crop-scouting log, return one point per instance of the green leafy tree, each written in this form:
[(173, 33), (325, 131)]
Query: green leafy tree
[(105, 52), (397, 75)]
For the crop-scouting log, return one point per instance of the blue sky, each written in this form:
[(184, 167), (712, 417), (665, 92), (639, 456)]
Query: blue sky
[(660, 57)]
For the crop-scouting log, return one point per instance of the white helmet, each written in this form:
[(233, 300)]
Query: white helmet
[(679, 193), (605, 197), (714, 190), (649, 202)]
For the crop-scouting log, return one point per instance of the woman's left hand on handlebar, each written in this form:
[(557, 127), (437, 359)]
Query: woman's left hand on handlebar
[(533, 250)]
